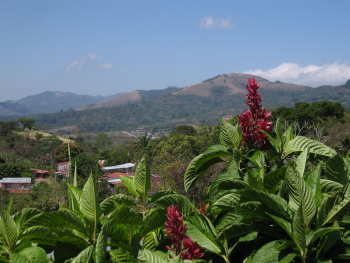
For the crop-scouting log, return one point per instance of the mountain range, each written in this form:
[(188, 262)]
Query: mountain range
[(201, 103)]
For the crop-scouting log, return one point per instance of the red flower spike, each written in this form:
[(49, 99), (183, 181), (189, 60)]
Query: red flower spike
[(176, 231), (255, 119)]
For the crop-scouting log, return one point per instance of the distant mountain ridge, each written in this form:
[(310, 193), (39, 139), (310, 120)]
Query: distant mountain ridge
[(202, 103), (49, 102)]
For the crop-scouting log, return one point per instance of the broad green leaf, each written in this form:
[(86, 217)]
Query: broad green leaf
[(229, 184), (142, 178), (124, 215), (154, 219), (251, 211), (160, 194), (30, 255), (274, 202), (337, 169), (286, 225), (149, 256), (113, 202), (269, 254), (63, 218), (334, 206), (272, 180), (313, 180), (213, 188), (258, 159), (39, 232), (8, 229), (75, 195), (288, 134), (89, 204), (314, 234), (24, 215), (129, 183), (235, 230), (8, 207), (200, 164), (274, 142), (329, 186), (233, 164), (227, 220), (301, 143), (153, 239), (101, 243), (200, 229), (228, 201), (299, 231), (299, 192), (301, 162), (122, 256), (279, 128), (186, 206), (85, 256), (230, 135), (254, 177)]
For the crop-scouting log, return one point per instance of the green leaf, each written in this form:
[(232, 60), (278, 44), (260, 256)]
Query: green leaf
[(299, 231), (85, 256), (22, 216), (181, 201), (258, 159), (8, 229), (301, 143), (301, 162), (228, 201), (286, 225), (30, 255), (160, 194), (122, 256), (230, 135), (75, 195), (274, 202), (313, 180), (124, 215), (254, 177), (129, 183), (39, 232), (274, 143), (101, 243), (142, 178), (113, 202), (63, 218), (251, 211), (149, 256), (200, 164), (89, 204), (229, 184), (337, 169), (299, 192), (272, 180), (201, 230), (329, 186), (227, 220), (334, 206), (279, 129), (269, 254), (154, 219)]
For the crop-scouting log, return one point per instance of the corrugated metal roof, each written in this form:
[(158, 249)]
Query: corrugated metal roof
[(121, 166), (22, 180)]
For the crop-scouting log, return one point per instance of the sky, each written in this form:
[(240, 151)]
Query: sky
[(110, 46)]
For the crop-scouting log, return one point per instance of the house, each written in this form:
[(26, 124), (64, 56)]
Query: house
[(63, 168), (122, 168), (16, 185), (39, 173)]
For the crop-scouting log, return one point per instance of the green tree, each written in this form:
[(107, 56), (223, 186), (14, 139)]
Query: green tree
[(85, 165), (27, 123), (102, 141), (7, 127)]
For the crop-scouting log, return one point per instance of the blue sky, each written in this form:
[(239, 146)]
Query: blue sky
[(105, 47)]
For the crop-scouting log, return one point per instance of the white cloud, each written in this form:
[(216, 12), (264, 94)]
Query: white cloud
[(212, 23), (311, 75), (106, 66), (78, 64)]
